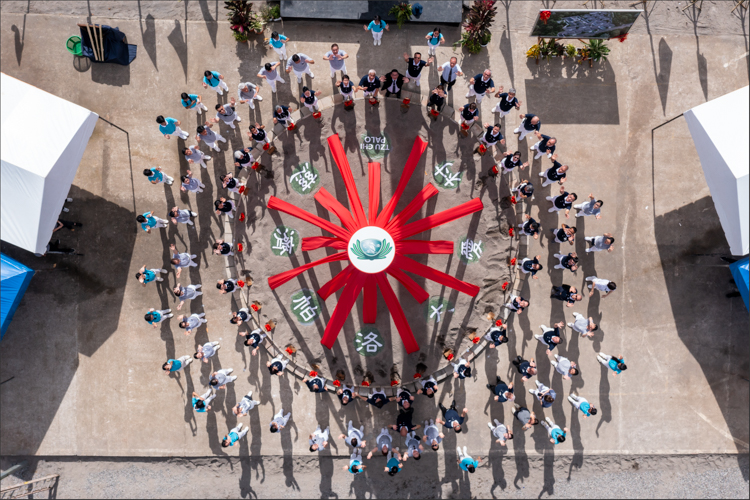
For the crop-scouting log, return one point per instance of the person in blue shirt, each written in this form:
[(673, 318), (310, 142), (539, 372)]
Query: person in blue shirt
[(355, 462), (148, 220), (215, 80), (550, 336), (556, 434), (154, 317), (393, 464), (278, 42), (169, 126), (434, 38), (529, 124), (234, 435), (192, 101), (201, 403), (614, 363), (465, 461), (145, 276), (582, 404), (174, 365), (156, 176), (545, 145), (377, 26)]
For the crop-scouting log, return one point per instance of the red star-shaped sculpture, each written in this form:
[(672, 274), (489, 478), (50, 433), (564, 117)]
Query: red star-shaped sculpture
[(375, 244)]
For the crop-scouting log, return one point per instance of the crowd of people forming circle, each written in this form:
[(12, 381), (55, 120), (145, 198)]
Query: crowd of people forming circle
[(452, 419)]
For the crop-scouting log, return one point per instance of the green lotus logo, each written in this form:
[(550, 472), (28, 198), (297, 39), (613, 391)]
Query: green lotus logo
[(371, 249)]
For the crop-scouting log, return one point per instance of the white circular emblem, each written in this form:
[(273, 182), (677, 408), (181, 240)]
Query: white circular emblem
[(371, 249)]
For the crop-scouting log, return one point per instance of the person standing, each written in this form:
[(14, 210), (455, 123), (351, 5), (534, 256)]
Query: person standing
[(278, 43), (500, 432), (243, 158), (449, 72), (545, 145), (156, 176), (550, 336), (564, 366), (429, 387), (234, 435), (226, 114), (180, 260), (556, 434), (146, 276), (186, 293), (614, 363), (310, 99), (604, 286), (556, 173), (404, 424), (404, 398), (270, 73), (193, 154), (434, 38), (346, 394), (182, 216), (530, 227), (173, 365), (370, 85), (355, 462), (414, 448), (227, 286), (544, 394), (192, 101), (246, 404), (282, 115), (507, 102), (354, 436), (207, 350), (525, 416), (220, 378), (315, 382), (564, 233), (531, 266), (154, 317), (346, 88), (582, 404), (586, 327), (393, 82), (566, 293), (335, 58), (221, 247), (319, 439), (376, 27), (512, 161), (564, 201), (230, 183), (524, 189), (190, 183), (224, 206), (599, 243), (300, 64), (276, 365), (527, 369), (257, 133), (383, 443), (497, 336), (451, 418), (462, 368), (469, 114), (376, 398), (393, 463), (569, 261), (590, 207), (481, 84), (254, 338), (202, 403), (492, 136), (432, 434), (503, 392), (205, 134), (247, 93), (466, 462), (414, 66), (148, 220), (169, 126), (517, 303), (190, 323), (530, 123), (215, 80)]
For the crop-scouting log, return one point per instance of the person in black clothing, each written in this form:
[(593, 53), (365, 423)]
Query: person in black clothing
[(481, 84), (315, 384), (224, 206), (569, 261), (345, 394), (550, 336), (517, 304), (437, 99), (545, 145), (377, 398), (346, 88), (414, 66), (243, 158), (511, 161), (370, 84), (566, 293), (403, 422), (529, 124), (530, 227), (222, 248), (253, 340), (469, 113), (67, 225), (527, 369), (227, 286), (492, 135), (259, 135), (282, 115), (393, 82), (451, 418), (404, 399), (503, 392), (524, 189), (429, 387), (565, 233), (507, 102), (497, 335), (556, 173), (310, 99), (531, 266), (562, 202)]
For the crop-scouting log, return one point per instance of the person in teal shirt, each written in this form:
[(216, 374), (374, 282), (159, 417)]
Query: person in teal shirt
[(355, 462), (154, 317), (278, 42), (556, 434), (169, 126), (234, 435), (201, 403), (393, 465), (192, 101), (215, 80), (156, 176), (173, 365), (376, 27), (466, 462), (148, 220), (582, 404), (614, 363), (434, 38), (145, 276)]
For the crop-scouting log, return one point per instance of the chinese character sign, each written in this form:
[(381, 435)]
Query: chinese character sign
[(305, 306), (284, 241), (304, 178), (470, 250), (368, 341), (445, 177), (437, 309)]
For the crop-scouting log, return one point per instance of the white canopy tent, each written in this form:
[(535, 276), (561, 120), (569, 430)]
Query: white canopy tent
[(721, 134), (42, 141)]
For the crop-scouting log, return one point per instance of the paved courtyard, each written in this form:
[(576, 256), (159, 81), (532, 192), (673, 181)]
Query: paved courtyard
[(85, 367)]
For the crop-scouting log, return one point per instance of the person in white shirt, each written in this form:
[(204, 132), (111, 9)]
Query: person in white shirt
[(279, 420), (432, 434), (500, 432), (564, 366), (449, 71), (590, 207), (180, 260), (601, 284), (226, 114), (246, 404), (354, 437), (207, 350), (586, 327), (194, 155), (319, 439), (270, 73), (413, 447), (300, 64), (336, 58), (599, 243), (190, 323)]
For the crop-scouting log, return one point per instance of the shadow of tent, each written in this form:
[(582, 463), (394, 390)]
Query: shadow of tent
[(110, 74), (84, 294), (697, 283)]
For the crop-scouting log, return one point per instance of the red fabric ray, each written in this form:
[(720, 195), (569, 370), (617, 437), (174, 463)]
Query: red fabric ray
[(306, 216), (399, 318), (437, 219), (370, 301), (414, 267), (310, 243), (416, 153), (336, 282), (331, 204), (281, 278), (416, 291), (373, 173), (424, 246), (339, 157), (343, 308), (413, 207)]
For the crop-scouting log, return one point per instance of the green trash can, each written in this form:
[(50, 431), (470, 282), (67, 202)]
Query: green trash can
[(74, 45)]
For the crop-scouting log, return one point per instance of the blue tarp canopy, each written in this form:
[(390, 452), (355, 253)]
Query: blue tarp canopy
[(14, 278), (740, 273)]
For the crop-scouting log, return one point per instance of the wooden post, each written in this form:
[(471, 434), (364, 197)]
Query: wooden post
[(101, 43), (93, 44)]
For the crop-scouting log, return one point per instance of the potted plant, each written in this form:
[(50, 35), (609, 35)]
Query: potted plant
[(271, 14), (402, 12), (570, 51), (485, 39), (477, 26), (597, 51), (257, 23), (240, 18), (534, 52)]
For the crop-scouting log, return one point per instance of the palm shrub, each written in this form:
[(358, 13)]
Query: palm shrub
[(240, 17), (477, 26), (402, 12)]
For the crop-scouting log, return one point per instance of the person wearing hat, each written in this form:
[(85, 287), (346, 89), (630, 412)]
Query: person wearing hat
[(278, 42), (268, 71), (247, 93), (310, 99)]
